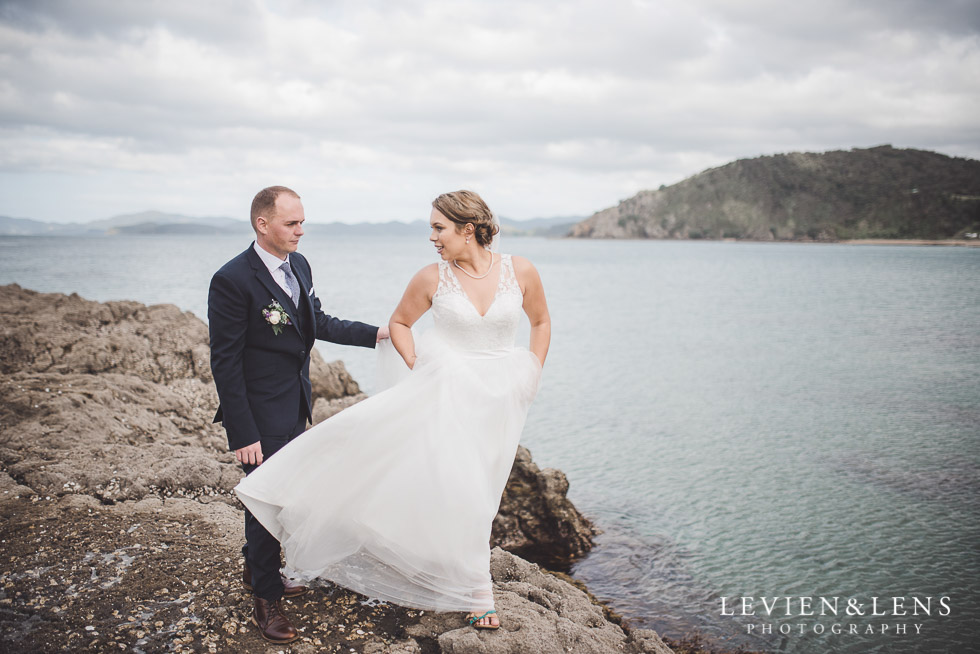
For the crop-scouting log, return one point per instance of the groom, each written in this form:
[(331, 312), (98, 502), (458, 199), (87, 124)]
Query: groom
[(264, 317)]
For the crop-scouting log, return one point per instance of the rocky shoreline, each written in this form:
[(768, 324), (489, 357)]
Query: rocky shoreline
[(122, 533)]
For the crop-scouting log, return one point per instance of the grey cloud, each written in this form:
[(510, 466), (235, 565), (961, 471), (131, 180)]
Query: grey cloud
[(224, 21), (583, 91), (845, 19)]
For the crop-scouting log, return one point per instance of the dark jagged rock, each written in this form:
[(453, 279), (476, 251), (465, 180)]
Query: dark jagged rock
[(536, 520)]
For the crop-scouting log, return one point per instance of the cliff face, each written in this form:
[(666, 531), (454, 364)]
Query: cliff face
[(880, 192), (121, 528)]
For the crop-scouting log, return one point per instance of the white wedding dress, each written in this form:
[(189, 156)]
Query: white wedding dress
[(394, 497)]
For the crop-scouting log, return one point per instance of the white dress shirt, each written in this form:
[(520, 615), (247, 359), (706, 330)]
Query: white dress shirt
[(272, 262)]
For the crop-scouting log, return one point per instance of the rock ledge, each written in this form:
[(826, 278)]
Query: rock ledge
[(121, 531)]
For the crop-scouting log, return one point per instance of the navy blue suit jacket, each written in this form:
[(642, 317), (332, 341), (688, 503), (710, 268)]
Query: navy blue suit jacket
[(263, 378)]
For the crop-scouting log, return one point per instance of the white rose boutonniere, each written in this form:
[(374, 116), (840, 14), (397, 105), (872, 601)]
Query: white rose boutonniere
[(276, 316)]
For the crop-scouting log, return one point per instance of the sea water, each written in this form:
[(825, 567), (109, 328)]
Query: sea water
[(779, 441)]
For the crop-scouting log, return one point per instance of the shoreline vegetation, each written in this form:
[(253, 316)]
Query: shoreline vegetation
[(122, 532)]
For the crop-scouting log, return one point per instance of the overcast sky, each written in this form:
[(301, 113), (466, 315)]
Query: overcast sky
[(370, 109)]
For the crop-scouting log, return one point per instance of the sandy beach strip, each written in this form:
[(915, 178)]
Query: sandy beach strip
[(899, 241)]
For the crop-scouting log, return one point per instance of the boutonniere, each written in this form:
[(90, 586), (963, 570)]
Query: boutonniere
[(276, 316)]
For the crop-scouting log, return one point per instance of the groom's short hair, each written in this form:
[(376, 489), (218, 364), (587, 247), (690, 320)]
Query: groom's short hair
[(264, 202)]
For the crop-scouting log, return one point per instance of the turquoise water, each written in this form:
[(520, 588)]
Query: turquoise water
[(741, 419)]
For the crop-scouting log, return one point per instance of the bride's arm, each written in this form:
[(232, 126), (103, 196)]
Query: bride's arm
[(416, 301), (535, 306)]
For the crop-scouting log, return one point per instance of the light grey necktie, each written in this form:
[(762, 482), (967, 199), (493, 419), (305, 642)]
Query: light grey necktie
[(291, 282)]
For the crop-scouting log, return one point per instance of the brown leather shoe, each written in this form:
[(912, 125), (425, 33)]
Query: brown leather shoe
[(290, 588), (272, 624)]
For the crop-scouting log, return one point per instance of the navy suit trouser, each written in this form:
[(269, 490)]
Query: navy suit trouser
[(262, 551)]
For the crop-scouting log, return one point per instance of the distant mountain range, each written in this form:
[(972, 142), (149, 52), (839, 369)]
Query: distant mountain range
[(157, 222), (146, 222), (550, 227), (874, 193)]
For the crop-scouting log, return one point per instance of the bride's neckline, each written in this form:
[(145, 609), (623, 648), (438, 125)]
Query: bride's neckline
[(496, 285), (471, 275)]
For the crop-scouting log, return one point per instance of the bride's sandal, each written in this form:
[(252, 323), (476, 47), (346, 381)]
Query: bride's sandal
[(474, 620)]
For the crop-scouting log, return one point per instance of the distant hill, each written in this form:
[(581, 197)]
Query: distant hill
[(555, 227), (157, 222), (146, 222), (174, 228), (23, 226), (880, 192), (390, 228)]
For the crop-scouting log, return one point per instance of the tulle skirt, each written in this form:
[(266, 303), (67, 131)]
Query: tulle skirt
[(395, 496)]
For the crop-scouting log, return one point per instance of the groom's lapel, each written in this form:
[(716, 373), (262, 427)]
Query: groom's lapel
[(263, 275)]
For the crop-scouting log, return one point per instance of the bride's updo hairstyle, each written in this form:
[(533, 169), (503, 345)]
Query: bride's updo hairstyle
[(464, 207)]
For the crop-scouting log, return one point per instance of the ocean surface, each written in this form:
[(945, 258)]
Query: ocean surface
[(742, 420)]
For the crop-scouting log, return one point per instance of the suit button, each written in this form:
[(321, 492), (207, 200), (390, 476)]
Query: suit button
[(302, 354)]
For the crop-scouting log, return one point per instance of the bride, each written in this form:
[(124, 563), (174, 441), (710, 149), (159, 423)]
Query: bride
[(394, 497)]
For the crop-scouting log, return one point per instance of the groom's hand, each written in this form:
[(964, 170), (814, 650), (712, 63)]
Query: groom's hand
[(382, 333), (250, 454)]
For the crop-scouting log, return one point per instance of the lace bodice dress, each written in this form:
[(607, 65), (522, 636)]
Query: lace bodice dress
[(459, 323), (394, 497)]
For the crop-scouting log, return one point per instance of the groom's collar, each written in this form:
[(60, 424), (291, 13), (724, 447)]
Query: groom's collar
[(271, 261)]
